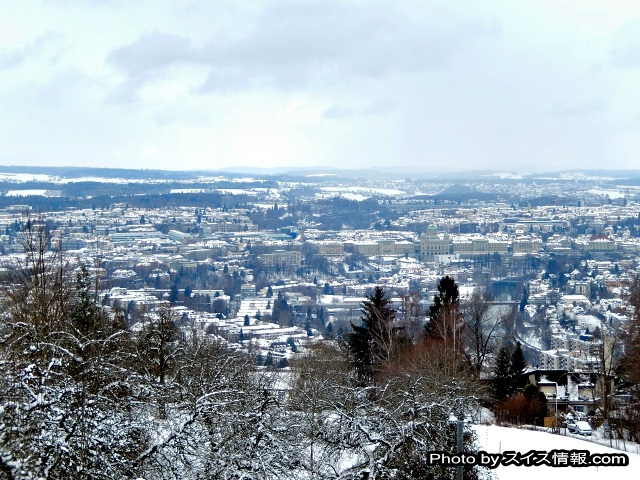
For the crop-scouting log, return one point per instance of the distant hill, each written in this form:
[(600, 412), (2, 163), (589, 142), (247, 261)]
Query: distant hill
[(319, 174)]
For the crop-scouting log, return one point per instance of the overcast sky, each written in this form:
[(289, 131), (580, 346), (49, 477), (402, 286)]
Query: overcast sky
[(520, 85)]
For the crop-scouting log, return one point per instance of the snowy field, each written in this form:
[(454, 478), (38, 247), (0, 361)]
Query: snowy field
[(364, 190), (25, 193), (494, 439)]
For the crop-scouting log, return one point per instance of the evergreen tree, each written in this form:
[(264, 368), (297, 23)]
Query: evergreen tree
[(530, 391), (518, 365), (502, 371), (448, 294), (542, 404), (444, 314), (524, 300), (376, 341), (510, 365), (85, 314), (329, 330), (173, 294), (292, 343), (282, 312), (269, 360)]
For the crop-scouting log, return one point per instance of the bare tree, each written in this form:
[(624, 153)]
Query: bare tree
[(482, 332), (420, 393), (38, 288), (158, 349), (413, 315), (63, 389), (630, 364), (631, 336), (384, 429), (318, 382), (223, 420)]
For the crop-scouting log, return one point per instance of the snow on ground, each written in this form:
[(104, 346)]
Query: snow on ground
[(24, 177), (24, 193), (494, 439), (466, 291), (608, 193), (364, 190)]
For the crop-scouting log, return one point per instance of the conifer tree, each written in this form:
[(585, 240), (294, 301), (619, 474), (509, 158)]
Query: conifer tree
[(501, 380), (85, 314), (518, 364), (510, 365), (375, 342), (524, 300), (444, 314)]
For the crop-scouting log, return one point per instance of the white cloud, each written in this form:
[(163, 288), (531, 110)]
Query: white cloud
[(436, 84), (336, 112)]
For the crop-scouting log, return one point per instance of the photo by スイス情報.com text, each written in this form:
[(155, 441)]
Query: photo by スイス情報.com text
[(532, 458)]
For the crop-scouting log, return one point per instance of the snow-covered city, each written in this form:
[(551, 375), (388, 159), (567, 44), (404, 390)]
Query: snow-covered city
[(319, 240)]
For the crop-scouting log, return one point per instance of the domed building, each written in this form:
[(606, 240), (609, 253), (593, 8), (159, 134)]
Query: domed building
[(433, 244)]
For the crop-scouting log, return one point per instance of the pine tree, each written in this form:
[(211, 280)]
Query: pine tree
[(510, 365), (329, 331), (376, 341), (445, 319), (518, 365), (85, 315), (448, 294), (173, 294), (524, 300), (502, 371)]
